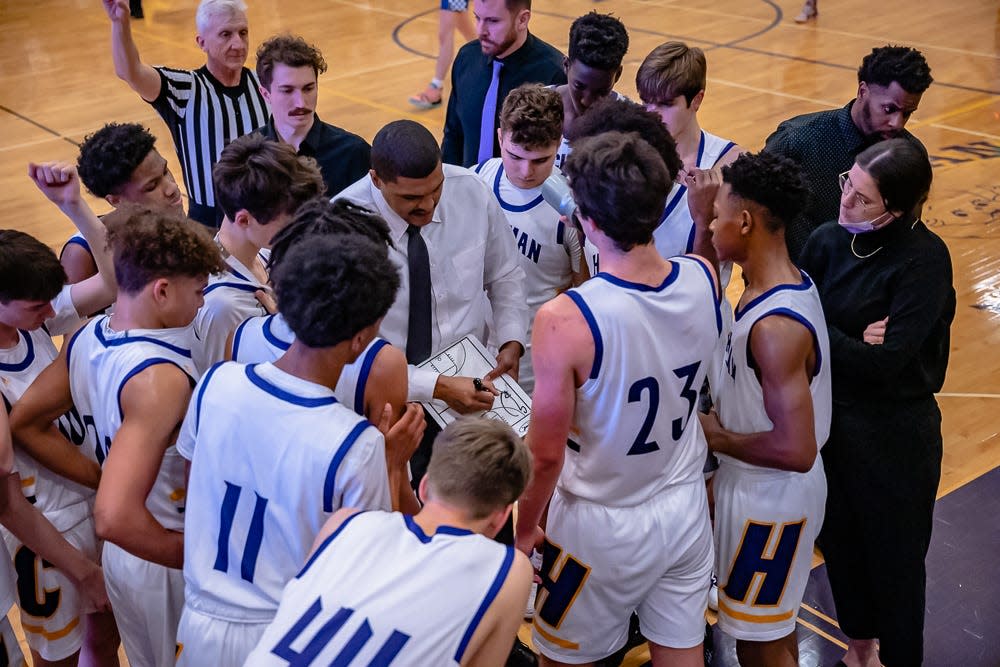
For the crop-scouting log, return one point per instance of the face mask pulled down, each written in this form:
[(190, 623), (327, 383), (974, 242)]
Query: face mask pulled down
[(866, 226)]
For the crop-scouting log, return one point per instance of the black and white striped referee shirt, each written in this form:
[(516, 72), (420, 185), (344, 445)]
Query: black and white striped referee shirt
[(203, 116)]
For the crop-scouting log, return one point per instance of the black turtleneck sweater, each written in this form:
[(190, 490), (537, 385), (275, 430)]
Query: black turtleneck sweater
[(908, 279)]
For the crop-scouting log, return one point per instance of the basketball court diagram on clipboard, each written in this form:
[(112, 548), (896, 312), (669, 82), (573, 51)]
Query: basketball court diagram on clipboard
[(470, 358)]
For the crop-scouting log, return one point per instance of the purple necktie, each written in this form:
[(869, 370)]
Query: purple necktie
[(486, 129)]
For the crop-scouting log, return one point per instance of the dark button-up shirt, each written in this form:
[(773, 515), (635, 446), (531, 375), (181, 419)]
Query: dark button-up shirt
[(825, 143), (535, 62), (343, 157)]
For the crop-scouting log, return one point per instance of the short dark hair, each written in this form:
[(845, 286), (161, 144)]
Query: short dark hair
[(334, 286), (29, 270), (599, 41), (901, 64), (774, 182), (902, 171), (266, 178), (148, 245), (517, 5), (620, 182), (623, 116), (532, 116), (109, 157), (672, 69), (289, 50), (320, 217), (478, 464), (404, 148)]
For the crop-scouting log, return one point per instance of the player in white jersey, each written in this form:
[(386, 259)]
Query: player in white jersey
[(597, 45), (774, 407), (54, 610), (36, 533), (252, 518), (373, 385), (120, 164), (130, 376), (550, 253), (372, 590), (618, 364), (259, 184)]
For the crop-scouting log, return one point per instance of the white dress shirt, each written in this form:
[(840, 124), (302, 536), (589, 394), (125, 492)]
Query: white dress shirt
[(471, 250)]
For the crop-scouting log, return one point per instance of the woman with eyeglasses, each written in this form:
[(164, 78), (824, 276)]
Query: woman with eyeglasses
[(885, 281)]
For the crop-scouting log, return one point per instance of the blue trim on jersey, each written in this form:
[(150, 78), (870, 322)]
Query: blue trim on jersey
[(236, 286), (76, 240), (513, 208), (72, 342), (728, 147), (330, 538), (201, 394), (424, 538), (155, 361), (236, 273), (29, 355), (479, 167), (237, 337), (801, 319), (806, 283), (286, 396), (331, 472), (701, 149), (491, 594), (272, 337), (639, 287), (594, 331), (561, 233), (716, 296), (366, 369), (672, 204), (136, 339), (689, 246)]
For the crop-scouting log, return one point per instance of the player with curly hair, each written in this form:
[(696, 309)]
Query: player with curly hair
[(891, 81), (303, 454), (120, 164), (597, 46), (774, 405)]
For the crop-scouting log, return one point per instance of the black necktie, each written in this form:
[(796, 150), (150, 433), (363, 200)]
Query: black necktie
[(418, 333)]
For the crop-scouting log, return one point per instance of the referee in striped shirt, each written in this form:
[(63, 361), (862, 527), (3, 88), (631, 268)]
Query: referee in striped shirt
[(205, 108)]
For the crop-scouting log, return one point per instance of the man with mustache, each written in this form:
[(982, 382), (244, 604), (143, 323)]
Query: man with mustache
[(288, 68), (505, 56), (891, 81), (205, 108)]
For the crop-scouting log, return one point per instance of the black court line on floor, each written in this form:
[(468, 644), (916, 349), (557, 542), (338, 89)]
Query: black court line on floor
[(733, 44), (38, 125)]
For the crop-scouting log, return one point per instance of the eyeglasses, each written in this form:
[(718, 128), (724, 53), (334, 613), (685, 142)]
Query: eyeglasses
[(859, 199)]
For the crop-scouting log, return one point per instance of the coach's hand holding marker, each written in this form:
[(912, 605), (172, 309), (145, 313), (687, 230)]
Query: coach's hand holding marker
[(464, 395)]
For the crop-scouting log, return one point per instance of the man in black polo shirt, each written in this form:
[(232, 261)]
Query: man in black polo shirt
[(891, 81), (288, 68), (505, 56)]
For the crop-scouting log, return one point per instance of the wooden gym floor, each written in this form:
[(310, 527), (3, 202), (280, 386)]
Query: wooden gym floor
[(57, 84)]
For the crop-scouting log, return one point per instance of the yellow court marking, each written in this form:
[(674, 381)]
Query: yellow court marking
[(822, 634), (819, 614)]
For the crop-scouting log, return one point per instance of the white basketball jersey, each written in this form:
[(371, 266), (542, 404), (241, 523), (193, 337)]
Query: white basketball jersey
[(675, 235), (549, 251), (739, 398), (636, 431), (101, 361), (64, 503), (263, 339), (229, 299), (379, 591), (272, 457)]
